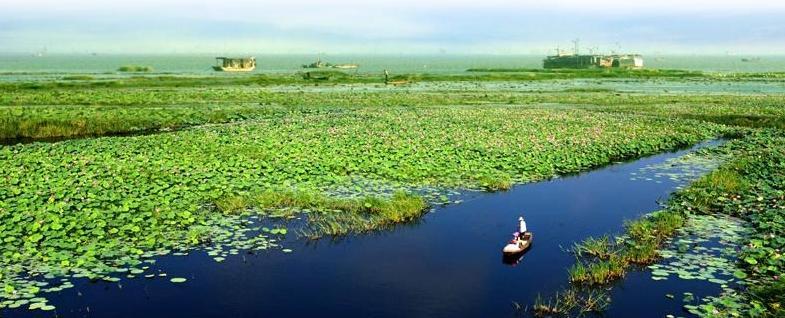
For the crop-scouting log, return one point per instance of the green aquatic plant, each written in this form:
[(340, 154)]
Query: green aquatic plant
[(601, 247), (571, 303), (707, 193), (346, 215), (496, 183), (598, 272), (93, 206)]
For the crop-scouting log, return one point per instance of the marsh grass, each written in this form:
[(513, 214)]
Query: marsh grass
[(601, 261), (641, 253), (47, 122), (78, 78), (772, 296), (496, 183), (601, 247), (571, 303), (328, 215), (656, 227), (598, 272), (706, 194), (102, 107)]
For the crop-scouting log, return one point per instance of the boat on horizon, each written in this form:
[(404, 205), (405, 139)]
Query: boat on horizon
[(320, 64), (235, 64)]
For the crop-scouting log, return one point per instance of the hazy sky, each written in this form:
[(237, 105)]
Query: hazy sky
[(391, 26)]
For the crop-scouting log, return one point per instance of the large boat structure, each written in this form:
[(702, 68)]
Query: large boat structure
[(577, 61), (320, 64), (235, 64)]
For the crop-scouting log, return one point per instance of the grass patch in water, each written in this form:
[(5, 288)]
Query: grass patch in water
[(571, 303), (640, 246), (654, 228), (601, 247), (333, 216), (707, 194), (598, 272), (496, 183)]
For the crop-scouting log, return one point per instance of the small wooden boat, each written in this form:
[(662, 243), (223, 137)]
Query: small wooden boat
[(524, 242)]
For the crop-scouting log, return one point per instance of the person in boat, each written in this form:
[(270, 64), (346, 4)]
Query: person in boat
[(521, 226), (515, 238)]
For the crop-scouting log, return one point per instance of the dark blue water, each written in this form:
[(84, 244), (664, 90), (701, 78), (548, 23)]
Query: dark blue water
[(449, 264)]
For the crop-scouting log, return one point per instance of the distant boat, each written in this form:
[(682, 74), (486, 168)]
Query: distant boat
[(753, 59), (235, 64), (320, 64)]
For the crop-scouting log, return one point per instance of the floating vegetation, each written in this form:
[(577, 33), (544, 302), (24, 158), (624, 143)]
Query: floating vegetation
[(94, 208), (706, 249), (680, 170), (105, 208), (752, 188)]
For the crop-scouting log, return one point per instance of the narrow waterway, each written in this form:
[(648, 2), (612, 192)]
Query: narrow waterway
[(449, 264)]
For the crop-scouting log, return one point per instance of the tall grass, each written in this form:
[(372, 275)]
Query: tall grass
[(601, 261), (724, 183), (496, 182), (598, 272), (571, 303), (330, 215), (601, 247), (42, 122)]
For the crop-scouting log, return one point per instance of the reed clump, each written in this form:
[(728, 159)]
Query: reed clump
[(722, 183), (571, 303), (601, 247), (496, 183), (600, 260), (599, 272), (331, 215)]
